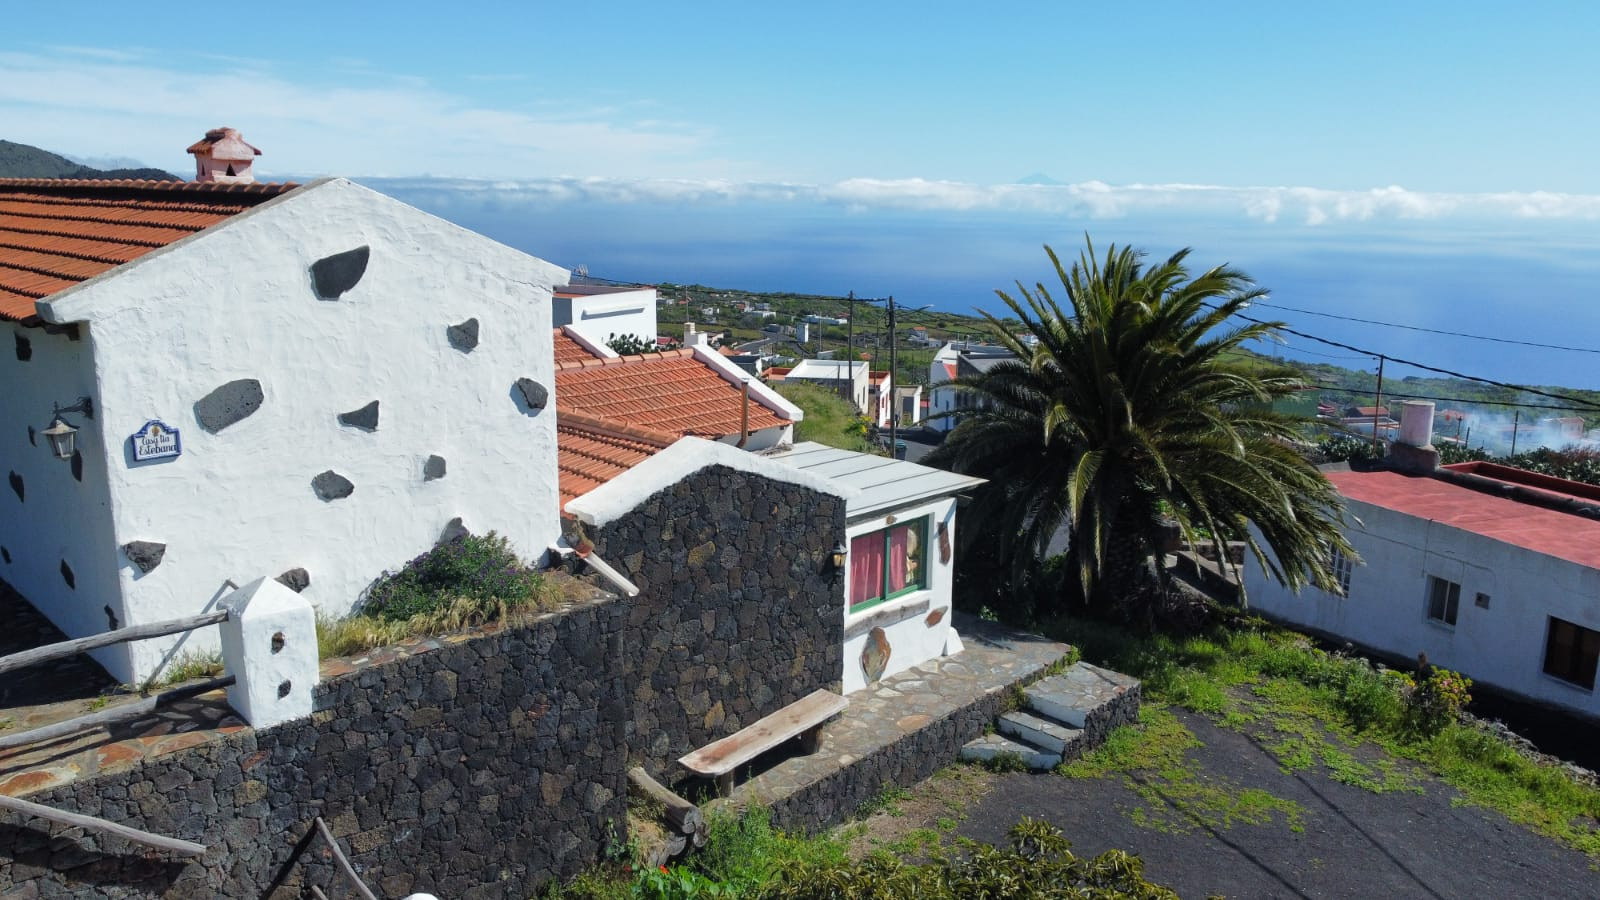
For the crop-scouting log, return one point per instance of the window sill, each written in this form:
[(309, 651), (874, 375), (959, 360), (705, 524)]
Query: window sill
[(888, 613), (1569, 685)]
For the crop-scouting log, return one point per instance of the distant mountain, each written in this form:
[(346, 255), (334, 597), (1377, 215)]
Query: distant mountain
[(23, 161), (1038, 178)]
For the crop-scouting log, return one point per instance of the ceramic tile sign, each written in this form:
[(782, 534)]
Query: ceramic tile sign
[(156, 440)]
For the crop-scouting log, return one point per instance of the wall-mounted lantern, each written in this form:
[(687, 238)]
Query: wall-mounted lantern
[(61, 435), (838, 558)]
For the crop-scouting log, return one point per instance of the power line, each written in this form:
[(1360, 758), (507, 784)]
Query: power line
[(1462, 400), (1425, 367), (1460, 334)]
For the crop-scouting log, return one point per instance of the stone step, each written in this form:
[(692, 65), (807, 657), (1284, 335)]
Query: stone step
[(1086, 697), (1043, 733), (989, 746)]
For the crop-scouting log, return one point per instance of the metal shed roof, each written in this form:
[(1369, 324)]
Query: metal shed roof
[(883, 484)]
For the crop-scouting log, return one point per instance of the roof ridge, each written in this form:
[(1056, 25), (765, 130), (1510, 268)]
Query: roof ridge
[(613, 428), (149, 184)]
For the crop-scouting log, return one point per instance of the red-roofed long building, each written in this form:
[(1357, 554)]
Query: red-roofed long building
[(264, 380), (1489, 570)]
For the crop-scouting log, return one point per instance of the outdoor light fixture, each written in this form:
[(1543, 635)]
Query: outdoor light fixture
[(60, 434), (838, 557)]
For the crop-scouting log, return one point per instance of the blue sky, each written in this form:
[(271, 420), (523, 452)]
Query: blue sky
[(1448, 97), (1427, 163)]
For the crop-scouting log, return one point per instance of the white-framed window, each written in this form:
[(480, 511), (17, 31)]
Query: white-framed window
[(1341, 567), (1444, 600), (1571, 652), (888, 563)]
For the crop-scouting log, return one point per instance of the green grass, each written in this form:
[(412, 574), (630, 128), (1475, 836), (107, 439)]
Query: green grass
[(1154, 763), (829, 418), (1315, 710)]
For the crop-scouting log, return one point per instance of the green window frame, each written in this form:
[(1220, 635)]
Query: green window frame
[(875, 550)]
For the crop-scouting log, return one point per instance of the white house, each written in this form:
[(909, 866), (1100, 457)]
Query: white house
[(303, 382), (835, 375), (1489, 570), (908, 405), (953, 360), (900, 521), (880, 398), (603, 312)]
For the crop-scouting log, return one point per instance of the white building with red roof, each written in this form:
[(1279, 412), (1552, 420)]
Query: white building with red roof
[(308, 383), (1489, 570)]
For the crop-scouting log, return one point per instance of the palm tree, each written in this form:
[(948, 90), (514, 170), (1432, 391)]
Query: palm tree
[(1133, 408)]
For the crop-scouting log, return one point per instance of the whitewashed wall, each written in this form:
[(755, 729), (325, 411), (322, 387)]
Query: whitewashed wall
[(1502, 646), (911, 640), (601, 317), (237, 302), (58, 519)]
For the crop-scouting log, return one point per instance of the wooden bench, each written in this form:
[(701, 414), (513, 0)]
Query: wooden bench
[(804, 717)]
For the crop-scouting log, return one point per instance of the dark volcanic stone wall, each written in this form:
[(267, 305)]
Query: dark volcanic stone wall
[(479, 769), (739, 611)]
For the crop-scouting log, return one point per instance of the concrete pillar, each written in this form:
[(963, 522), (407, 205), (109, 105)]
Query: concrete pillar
[(269, 645)]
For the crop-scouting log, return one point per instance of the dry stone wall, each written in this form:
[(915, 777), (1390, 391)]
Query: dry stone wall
[(481, 768), (739, 613)]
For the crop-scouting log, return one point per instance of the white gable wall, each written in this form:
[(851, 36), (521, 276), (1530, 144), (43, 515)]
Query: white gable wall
[(237, 302), (1502, 646), (58, 519), (904, 620), (601, 317)]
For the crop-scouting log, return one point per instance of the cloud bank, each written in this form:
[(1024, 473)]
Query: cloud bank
[(1305, 206)]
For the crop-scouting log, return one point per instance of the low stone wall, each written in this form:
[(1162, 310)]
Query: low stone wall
[(739, 611), (479, 768), (907, 761)]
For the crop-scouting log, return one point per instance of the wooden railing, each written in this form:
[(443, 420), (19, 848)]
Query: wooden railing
[(105, 718)]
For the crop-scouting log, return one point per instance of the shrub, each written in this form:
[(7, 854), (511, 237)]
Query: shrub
[(1437, 700), (481, 573)]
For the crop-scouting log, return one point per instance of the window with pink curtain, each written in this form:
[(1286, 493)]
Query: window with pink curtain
[(866, 569), (885, 563)]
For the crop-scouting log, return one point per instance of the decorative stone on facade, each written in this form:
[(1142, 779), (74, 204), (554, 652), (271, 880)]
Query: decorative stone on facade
[(875, 655), (296, 579), (17, 486), (365, 418), (24, 347), (434, 468), (146, 555), (536, 395), (463, 336), (67, 576), (453, 530), (739, 611), (481, 764), (334, 275), (330, 485), (228, 404)]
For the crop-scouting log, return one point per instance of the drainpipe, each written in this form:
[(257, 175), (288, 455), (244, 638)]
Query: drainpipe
[(744, 424), (600, 566)]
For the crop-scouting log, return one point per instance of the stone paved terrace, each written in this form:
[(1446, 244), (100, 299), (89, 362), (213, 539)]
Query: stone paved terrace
[(900, 730)]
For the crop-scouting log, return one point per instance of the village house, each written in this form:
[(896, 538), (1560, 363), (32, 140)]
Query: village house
[(309, 383), (1488, 570), (954, 360), (604, 313), (880, 398), (848, 379)]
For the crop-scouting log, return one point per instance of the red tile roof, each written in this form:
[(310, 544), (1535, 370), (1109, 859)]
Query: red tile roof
[(591, 451), (569, 350), (1551, 532), (670, 392), (55, 233)]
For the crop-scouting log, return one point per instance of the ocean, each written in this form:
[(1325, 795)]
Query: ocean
[(1520, 279)]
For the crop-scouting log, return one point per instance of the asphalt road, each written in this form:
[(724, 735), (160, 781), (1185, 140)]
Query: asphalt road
[(1353, 843)]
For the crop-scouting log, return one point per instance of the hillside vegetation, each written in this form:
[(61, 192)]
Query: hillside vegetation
[(23, 161)]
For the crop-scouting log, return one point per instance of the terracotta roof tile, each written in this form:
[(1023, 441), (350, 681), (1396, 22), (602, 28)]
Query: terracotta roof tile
[(55, 233), (670, 392), (591, 451), (569, 351)]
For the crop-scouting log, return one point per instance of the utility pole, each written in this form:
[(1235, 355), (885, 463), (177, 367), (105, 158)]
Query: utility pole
[(1516, 421), (850, 344), (894, 420), (1377, 406)]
